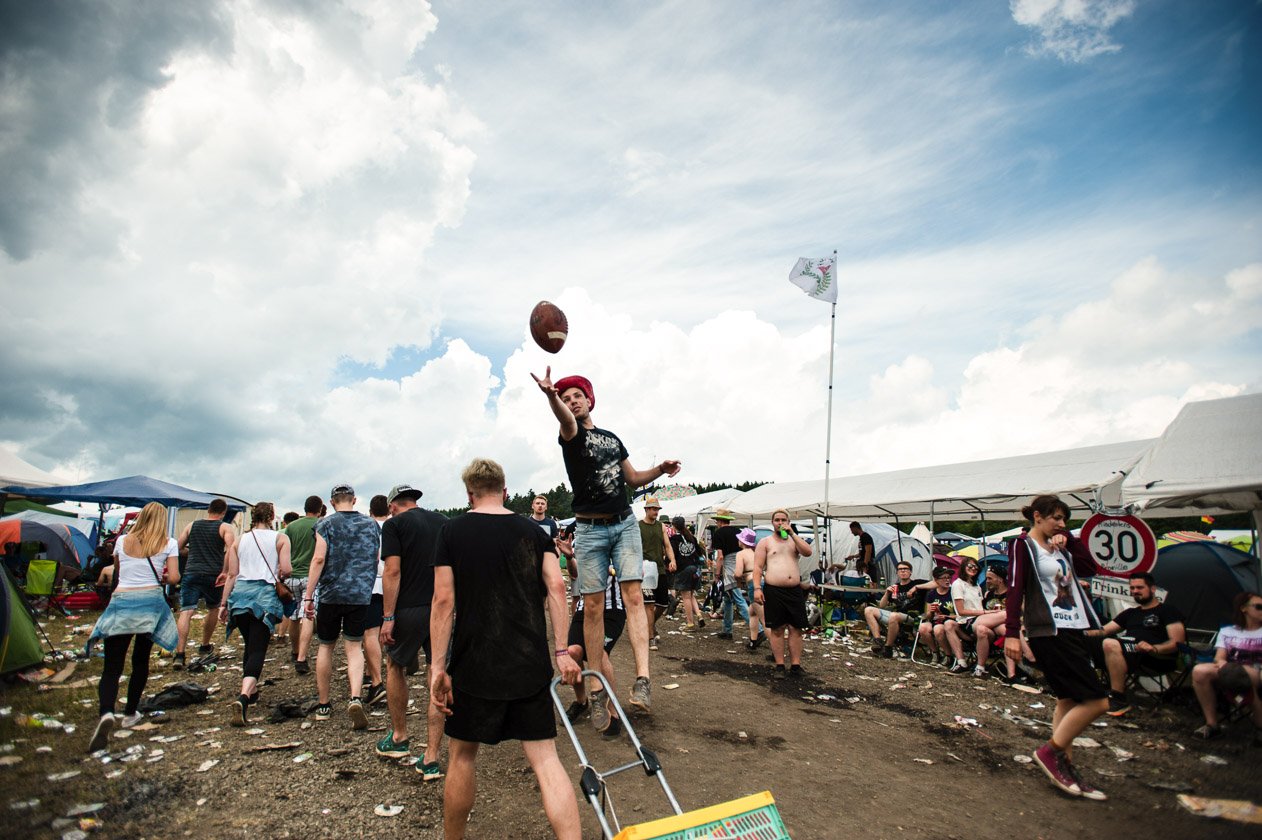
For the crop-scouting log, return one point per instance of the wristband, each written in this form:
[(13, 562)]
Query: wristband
[(387, 618), (563, 652), (308, 600)]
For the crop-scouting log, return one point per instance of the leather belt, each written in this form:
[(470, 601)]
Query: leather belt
[(611, 519)]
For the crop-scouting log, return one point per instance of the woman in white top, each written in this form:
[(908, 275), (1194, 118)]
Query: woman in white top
[(145, 559), (1240, 646), (250, 603), (966, 597)]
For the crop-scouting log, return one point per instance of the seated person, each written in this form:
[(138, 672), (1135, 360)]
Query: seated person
[(982, 615), (938, 608), (1148, 635), (899, 601), (1239, 644), (966, 599)]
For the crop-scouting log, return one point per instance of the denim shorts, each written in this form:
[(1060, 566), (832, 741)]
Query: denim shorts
[(597, 547), (197, 587)]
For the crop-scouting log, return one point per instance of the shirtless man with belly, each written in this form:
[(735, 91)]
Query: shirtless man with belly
[(782, 593)]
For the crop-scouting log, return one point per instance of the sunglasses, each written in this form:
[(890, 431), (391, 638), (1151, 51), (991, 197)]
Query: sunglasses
[(1254, 606)]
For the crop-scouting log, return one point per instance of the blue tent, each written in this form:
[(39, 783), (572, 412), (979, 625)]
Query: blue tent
[(136, 490)]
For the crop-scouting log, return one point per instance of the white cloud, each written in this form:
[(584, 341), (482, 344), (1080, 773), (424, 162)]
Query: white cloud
[(1072, 30)]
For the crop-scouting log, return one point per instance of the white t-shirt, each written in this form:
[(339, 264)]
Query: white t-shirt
[(136, 572), (258, 560), (1064, 597), (1241, 645), (969, 593)]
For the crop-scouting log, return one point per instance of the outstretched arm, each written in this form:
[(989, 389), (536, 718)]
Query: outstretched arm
[(639, 478), (569, 426)]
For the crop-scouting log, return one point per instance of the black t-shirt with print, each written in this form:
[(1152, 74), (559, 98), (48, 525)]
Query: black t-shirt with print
[(946, 606), (412, 537), (687, 551), (1149, 625), (499, 648), (593, 461)]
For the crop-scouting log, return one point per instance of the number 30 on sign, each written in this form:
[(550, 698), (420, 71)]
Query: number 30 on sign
[(1120, 545)]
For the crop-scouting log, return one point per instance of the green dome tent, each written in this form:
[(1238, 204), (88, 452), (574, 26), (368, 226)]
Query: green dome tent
[(19, 642)]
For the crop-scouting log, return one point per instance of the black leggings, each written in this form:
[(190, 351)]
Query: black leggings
[(115, 653), (257, 636)]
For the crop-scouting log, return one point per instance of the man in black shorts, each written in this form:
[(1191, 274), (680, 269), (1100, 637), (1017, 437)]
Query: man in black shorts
[(782, 591), (655, 543), (1148, 636), (343, 570), (493, 570), (602, 716), (408, 540)]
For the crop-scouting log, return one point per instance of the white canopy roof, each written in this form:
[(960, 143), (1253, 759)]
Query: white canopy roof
[(690, 506), (1208, 460), (15, 471), (1001, 486)]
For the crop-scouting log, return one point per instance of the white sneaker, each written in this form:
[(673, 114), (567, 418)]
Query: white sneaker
[(131, 720), (101, 737)]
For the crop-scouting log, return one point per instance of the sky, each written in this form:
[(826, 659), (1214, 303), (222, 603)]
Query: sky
[(260, 247)]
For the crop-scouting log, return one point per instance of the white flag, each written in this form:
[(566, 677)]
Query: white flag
[(816, 277)]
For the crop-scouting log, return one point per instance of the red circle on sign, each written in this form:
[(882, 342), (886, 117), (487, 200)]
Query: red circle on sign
[(1119, 545)]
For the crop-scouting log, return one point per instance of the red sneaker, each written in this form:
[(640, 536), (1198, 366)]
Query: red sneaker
[(1053, 762)]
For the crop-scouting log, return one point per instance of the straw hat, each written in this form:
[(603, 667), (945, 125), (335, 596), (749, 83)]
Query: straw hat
[(722, 513)]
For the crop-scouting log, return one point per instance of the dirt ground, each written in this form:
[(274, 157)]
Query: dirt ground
[(860, 746)]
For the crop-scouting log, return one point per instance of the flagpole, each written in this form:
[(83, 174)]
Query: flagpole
[(828, 435)]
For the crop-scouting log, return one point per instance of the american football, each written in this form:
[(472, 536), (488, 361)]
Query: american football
[(548, 326)]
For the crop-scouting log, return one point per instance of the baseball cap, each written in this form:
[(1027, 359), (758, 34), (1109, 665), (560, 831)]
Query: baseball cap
[(403, 491), (652, 502), (342, 490)]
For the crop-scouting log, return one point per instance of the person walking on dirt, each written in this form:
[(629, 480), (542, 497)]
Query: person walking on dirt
[(745, 580), (596, 699), (250, 602), (207, 542), (689, 557), (781, 592), (343, 569), (145, 560), (408, 540), (655, 542), (1046, 593), (301, 534), (606, 531), (493, 570)]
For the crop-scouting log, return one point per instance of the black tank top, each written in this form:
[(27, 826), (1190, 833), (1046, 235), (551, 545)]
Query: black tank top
[(205, 548)]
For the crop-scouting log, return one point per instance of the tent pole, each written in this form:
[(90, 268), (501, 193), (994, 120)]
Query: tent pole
[(933, 538), (828, 431)]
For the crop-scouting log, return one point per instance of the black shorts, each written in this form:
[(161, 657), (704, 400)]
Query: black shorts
[(661, 595), (411, 633), (334, 620), (491, 721), (784, 605), (615, 621), (375, 612), (1066, 662)]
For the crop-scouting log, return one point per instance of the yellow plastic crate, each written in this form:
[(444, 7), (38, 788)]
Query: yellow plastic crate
[(753, 817)]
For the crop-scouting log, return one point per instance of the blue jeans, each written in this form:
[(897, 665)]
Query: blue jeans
[(597, 547), (734, 598)]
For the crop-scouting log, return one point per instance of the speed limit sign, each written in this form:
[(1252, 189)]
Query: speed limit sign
[(1120, 545)]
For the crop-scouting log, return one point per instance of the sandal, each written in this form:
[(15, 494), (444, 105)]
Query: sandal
[(1208, 732)]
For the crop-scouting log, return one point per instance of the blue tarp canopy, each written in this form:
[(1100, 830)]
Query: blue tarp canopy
[(135, 490)]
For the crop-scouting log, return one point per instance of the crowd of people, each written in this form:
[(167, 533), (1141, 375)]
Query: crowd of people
[(475, 595)]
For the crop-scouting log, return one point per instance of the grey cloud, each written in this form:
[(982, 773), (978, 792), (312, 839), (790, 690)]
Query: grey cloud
[(74, 73)]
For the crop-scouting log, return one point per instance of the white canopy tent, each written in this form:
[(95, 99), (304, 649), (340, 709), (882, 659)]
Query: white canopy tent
[(999, 487), (689, 506), (15, 471), (1208, 461)]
